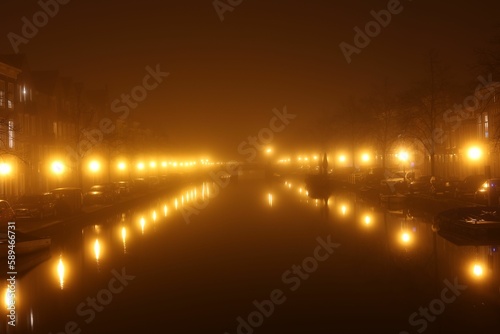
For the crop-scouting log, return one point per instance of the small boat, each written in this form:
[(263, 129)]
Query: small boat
[(479, 223), (24, 244), (393, 198)]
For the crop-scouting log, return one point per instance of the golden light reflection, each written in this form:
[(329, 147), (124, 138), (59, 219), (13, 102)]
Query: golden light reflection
[(176, 204), (300, 190), (343, 209), (97, 250), (270, 199), (154, 215), (165, 210), (477, 270), (8, 298), (367, 220), (124, 239), (182, 200), (405, 237), (143, 223), (60, 272), (289, 186)]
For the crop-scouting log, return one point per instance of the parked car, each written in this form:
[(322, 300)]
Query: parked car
[(139, 185), (426, 184), (68, 200), (101, 194), (450, 185), (489, 188), (123, 188), (7, 214), (35, 206), (467, 187)]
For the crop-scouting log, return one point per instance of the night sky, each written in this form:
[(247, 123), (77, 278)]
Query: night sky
[(227, 76)]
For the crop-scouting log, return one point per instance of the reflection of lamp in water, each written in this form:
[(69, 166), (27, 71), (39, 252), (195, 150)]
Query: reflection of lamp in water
[(154, 216), (124, 239), (143, 223), (165, 210), (9, 297), (60, 272), (405, 237), (343, 209), (367, 219), (97, 250), (477, 269), (176, 204), (270, 199)]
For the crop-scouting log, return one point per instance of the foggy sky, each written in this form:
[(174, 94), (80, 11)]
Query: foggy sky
[(227, 77)]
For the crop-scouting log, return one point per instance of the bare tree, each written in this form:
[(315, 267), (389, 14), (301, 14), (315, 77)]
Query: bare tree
[(424, 104)]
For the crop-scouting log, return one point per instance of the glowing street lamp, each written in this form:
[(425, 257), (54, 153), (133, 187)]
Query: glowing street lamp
[(94, 166), (365, 157), (474, 153), (403, 156), (5, 170), (57, 167), (342, 158), (122, 166)]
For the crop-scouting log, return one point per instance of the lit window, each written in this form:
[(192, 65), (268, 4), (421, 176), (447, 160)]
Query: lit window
[(485, 126), (2, 94), (11, 134), (10, 95)]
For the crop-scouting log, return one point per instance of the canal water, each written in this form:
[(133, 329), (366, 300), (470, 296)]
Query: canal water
[(255, 256)]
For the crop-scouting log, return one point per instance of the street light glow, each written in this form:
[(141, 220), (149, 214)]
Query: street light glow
[(474, 153), (4, 168), (57, 167), (403, 156), (94, 166), (365, 157), (122, 166)]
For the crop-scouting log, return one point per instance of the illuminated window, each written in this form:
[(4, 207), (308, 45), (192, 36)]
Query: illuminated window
[(485, 126), (2, 94), (10, 95), (11, 134)]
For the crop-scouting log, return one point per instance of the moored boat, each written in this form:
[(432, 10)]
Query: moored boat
[(480, 223), (24, 244)]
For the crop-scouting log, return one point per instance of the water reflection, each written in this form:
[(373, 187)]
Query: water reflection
[(270, 199), (124, 239), (400, 237), (413, 243), (61, 272)]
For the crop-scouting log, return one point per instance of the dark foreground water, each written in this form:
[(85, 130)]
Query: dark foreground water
[(258, 257)]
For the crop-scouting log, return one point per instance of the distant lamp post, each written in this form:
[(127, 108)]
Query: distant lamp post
[(403, 156), (122, 166), (94, 167), (474, 153), (57, 168), (5, 170)]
